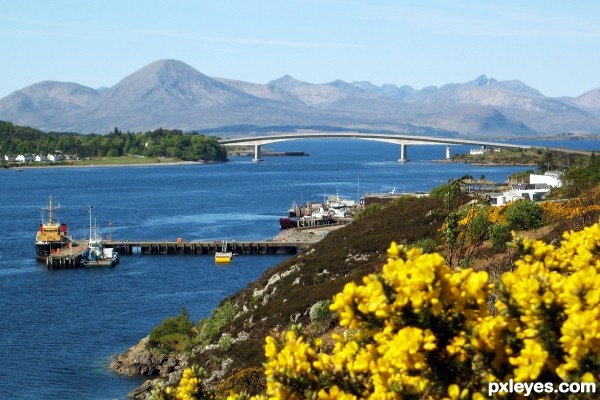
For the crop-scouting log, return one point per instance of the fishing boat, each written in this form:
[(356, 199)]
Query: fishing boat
[(223, 256), (287, 223), (96, 255), (294, 210), (52, 236)]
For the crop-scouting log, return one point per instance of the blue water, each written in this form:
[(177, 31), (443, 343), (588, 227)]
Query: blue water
[(60, 328)]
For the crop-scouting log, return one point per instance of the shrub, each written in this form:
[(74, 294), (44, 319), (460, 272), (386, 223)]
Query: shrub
[(417, 329), (368, 210), (499, 235), (172, 332), (250, 381), (189, 387), (463, 233), (209, 327), (524, 215), (449, 192), (427, 245), (320, 314), (225, 342)]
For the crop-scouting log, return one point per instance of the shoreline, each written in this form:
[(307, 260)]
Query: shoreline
[(148, 164), (308, 235)]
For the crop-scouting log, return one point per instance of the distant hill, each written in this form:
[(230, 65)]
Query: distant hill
[(171, 94)]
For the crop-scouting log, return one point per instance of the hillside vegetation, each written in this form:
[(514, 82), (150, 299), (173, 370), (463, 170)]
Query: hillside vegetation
[(228, 348), (15, 140)]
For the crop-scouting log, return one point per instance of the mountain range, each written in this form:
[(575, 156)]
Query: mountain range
[(171, 94)]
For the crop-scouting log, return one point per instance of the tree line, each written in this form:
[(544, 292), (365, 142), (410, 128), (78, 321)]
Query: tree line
[(171, 143)]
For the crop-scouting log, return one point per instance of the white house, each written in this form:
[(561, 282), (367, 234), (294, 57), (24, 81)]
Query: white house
[(39, 158), (518, 194), (24, 158), (483, 150), (550, 178), (535, 190), (54, 157), (479, 151)]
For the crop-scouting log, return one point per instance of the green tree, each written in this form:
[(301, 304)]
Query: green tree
[(449, 192), (524, 214)]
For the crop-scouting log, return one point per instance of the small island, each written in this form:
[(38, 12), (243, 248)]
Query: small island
[(543, 159)]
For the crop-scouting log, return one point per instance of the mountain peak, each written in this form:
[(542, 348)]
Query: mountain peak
[(483, 80), (286, 82), (163, 71)]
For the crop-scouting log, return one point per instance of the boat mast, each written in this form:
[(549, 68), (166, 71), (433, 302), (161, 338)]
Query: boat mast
[(90, 209), (51, 210), (358, 189)]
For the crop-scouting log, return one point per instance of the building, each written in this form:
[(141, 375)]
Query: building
[(535, 190), (483, 150), (24, 158), (54, 157), (550, 178)]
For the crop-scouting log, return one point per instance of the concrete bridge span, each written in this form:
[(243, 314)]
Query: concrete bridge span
[(402, 140)]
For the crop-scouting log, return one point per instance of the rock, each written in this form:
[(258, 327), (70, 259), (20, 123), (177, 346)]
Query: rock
[(138, 360), (143, 391)]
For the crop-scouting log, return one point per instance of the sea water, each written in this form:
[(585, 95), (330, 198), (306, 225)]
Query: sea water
[(59, 328)]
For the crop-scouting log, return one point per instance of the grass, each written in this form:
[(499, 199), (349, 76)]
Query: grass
[(124, 160)]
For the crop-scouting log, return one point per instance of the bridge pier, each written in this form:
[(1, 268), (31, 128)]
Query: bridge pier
[(403, 153), (256, 153)]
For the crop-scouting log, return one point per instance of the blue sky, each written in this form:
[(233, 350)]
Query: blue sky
[(553, 46)]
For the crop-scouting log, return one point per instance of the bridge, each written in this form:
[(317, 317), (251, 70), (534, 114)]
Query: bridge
[(402, 140)]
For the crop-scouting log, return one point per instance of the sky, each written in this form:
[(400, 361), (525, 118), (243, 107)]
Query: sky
[(552, 46)]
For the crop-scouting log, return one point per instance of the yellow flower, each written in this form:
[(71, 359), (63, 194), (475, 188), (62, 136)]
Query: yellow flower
[(417, 310), (334, 393), (530, 361)]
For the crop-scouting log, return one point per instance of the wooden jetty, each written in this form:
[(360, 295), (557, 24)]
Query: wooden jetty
[(67, 257), (70, 257), (180, 247)]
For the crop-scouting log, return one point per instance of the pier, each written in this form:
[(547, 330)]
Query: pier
[(67, 257), (180, 247), (70, 258)]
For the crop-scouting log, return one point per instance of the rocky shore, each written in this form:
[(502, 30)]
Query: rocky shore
[(138, 360), (167, 368), (306, 235)]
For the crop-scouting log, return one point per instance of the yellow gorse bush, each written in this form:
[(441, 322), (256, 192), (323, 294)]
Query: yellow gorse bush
[(418, 329), (565, 210), (189, 387)]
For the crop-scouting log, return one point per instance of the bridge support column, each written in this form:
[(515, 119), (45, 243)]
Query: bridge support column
[(403, 153), (256, 154), (447, 152)]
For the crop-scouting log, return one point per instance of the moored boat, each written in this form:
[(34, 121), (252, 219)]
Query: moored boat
[(52, 236), (223, 256), (96, 255), (287, 223), (294, 210)]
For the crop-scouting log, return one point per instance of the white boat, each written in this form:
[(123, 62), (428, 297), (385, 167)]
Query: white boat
[(294, 210), (340, 207), (223, 256), (96, 255)]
